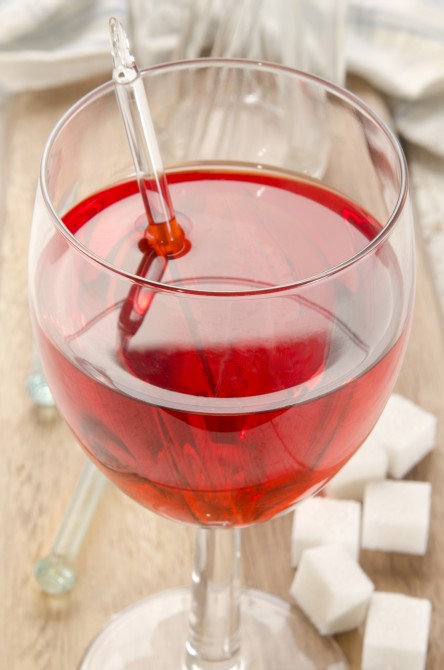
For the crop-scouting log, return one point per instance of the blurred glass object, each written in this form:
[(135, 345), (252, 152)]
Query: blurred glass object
[(304, 34), (37, 386)]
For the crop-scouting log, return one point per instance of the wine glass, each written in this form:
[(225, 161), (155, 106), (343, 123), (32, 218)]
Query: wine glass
[(220, 386)]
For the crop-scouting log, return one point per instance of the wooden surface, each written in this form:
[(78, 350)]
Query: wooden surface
[(130, 553)]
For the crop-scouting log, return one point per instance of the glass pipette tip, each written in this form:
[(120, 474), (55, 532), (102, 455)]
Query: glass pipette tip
[(163, 231)]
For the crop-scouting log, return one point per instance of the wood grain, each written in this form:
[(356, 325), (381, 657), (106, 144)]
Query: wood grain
[(129, 552)]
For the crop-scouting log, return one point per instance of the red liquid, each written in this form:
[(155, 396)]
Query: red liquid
[(228, 410)]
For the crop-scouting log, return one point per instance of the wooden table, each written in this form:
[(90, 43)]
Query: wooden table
[(129, 552)]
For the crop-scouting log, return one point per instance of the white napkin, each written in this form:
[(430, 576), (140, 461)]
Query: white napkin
[(398, 46), (45, 43)]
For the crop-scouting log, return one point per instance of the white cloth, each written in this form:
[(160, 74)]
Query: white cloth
[(45, 43), (399, 47), (396, 45)]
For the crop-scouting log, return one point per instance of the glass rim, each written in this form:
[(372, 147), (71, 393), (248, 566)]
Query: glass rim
[(350, 98)]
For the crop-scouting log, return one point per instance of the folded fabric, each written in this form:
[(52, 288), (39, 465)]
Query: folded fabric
[(54, 42), (397, 46)]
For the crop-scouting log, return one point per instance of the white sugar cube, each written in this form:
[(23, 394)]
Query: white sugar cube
[(368, 464), (396, 632), (396, 516), (331, 589), (407, 433), (319, 521)]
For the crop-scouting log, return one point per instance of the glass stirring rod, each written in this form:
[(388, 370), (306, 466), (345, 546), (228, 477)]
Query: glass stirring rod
[(163, 235), (55, 573), (163, 232)]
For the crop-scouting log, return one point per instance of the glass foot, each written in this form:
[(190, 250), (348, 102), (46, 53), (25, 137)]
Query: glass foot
[(151, 634)]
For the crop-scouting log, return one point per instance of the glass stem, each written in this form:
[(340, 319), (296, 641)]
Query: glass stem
[(214, 626)]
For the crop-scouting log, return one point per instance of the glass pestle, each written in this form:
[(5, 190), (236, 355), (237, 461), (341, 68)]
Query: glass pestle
[(55, 573)]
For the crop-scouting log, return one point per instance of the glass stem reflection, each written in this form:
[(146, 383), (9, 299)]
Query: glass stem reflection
[(214, 624)]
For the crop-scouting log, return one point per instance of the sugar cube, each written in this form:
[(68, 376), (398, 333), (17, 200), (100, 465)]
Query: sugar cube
[(407, 432), (396, 516), (320, 520), (331, 589), (368, 464), (396, 632)]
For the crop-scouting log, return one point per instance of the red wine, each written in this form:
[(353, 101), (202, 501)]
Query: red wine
[(222, 410)]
